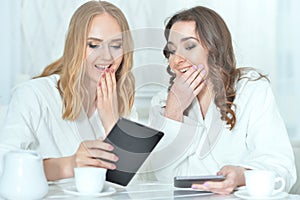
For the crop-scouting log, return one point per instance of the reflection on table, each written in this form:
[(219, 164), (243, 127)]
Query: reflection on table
[(143, 190)]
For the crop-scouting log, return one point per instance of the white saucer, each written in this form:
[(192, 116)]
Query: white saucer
[(61, 181), (106, 191), (244, 195)]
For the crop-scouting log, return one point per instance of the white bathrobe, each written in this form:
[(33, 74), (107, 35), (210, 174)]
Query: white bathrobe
[(259, 139), (34, 121)]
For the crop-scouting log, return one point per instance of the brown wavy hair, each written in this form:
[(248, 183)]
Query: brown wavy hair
[(71, 67), (223, 73)]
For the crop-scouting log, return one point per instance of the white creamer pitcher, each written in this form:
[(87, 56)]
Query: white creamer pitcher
[(23, 176)]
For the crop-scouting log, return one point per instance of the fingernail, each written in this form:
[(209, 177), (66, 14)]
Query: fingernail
[(206, 184), (116, 158), (200, 66), (195, 67), (194, 187), (113, 167), (110, 147), (203, 72)]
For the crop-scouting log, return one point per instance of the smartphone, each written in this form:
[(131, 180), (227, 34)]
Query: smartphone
[(187, 181)]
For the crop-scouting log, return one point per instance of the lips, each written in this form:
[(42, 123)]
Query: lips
[(103, 67), (183, 70)]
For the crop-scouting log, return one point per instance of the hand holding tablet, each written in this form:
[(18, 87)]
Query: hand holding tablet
[(133, 143), (188, 181)]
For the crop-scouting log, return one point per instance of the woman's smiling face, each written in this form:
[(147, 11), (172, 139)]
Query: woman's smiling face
[(104, 46), (185, 47)]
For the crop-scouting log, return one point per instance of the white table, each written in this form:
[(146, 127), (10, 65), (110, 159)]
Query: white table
[(154, 190)]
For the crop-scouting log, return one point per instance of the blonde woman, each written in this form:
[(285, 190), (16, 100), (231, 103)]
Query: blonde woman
[(65, 112)]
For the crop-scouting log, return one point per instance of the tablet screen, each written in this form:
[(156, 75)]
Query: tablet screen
[(133, 143)]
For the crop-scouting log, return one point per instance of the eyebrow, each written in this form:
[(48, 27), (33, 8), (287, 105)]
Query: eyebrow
[(184, 39), (99, 40), (187, 38)]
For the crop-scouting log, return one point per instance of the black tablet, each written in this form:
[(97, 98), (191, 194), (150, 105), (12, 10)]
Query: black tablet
[(133, 143)]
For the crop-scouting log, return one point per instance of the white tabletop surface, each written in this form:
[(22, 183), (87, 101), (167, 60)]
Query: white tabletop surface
[(153, 190)]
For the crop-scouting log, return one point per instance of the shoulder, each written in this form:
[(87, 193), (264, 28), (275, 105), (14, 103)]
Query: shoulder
[(36, 88), (37, 84), (252, 81), (252, 90)]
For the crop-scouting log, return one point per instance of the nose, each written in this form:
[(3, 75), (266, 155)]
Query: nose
[(178, 59), (105, 53)]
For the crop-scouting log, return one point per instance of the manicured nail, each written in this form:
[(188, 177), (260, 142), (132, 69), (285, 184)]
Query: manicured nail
[(206, 184), (195, 67), (116, 158), (203, 72), (194, 187), (110, 147), (113, 167), (200, 66)]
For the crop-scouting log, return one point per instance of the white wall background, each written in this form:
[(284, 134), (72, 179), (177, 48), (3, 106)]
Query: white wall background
[(265, 33)]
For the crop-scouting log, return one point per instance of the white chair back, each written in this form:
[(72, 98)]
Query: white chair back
[(296, 147)]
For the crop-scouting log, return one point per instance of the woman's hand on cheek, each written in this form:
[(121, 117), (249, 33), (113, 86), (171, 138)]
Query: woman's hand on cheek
[(185, 88), (107, 99), (234, 178), (94, 153)]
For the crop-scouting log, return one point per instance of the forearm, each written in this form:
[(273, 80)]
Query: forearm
[(173, 109), (59, 168)]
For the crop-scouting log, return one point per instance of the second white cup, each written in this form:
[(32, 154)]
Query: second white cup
[(261, 183), (89, 179)]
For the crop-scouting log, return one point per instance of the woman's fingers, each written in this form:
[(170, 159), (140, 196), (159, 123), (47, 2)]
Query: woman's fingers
[(95, 153), (108, 78), (98, 153), (103, 164), (198, 89), (104, 86), (114, 81), (194, 76), (97, 144), (107, 84), (99, 149), (188, 74), (234, 178), (223, 187), (96, 163)]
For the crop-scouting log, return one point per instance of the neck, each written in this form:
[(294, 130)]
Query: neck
[(204, 98)]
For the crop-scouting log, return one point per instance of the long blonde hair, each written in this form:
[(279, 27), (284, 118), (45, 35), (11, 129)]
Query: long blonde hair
[(70, 66)]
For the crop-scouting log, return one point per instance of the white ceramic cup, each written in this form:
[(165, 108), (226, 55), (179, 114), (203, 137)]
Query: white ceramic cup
[(261, 183), (89, 179)]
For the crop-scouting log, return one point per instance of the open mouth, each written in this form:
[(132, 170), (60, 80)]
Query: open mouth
[(183, 70), (103, 67)]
